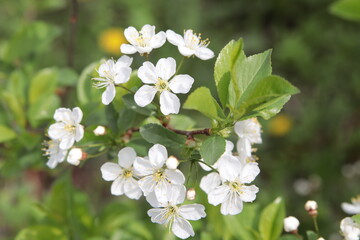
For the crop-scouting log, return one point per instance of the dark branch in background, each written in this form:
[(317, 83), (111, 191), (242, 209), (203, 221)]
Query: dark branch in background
[(205, 131), (72, 32)]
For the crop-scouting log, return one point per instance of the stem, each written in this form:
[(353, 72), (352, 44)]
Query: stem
[(180, 65), (316, 225), (129, 90), (91, 145), (207, 165), (96, 155), (205, 131), (72, 33)]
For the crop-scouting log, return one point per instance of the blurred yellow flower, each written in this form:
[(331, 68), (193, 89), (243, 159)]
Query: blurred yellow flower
[(280, 125), (111, 39)]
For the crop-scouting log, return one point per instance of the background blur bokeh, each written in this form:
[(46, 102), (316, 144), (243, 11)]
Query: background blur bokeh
[(311, 150)]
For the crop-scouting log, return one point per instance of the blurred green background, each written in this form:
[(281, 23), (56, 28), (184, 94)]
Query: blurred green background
[(311, 150)]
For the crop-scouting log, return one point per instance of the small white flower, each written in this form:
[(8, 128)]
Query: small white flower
[(54, 152), (143, 41), (191, 44), (112, 73), (67, 128), (155, 176), (353, 207), (249, 132), (75, 156), (176, 217), (233, 192), (350, 229), (99, 131), (172, 163), (123, 174), (160, 76), (291, 224)]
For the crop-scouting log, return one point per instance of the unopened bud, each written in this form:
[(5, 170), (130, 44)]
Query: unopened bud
[(291, 224), (191, 143), (75, 156), (172, 163), (321, 238), (191, 194), (99, 130), (311, 207)]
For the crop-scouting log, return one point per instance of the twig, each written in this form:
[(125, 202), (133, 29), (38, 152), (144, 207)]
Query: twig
[(72, 34), (205, 131)]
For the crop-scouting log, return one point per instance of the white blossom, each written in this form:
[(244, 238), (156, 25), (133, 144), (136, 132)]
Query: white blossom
[(143, 41), (353, 207), (159, 77), (291, 224), (311, 205), (249, 132), (350, 229), (54, 153), (176, 217), (75, 156), (99, 131), (112, 73), (191, 44), (67, 128), (154, 176), (123, 174), (233, 192)]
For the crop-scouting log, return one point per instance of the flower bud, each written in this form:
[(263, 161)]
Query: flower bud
[(99, 130), (291, 224), (75, 156), (172, 163), (191, 194), (311, 207), (321, 238)]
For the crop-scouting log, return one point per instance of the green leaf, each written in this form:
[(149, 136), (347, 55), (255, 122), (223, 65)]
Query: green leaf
[(67, 77), (41, 232), (7, 134), (37, 36), (201, 100), (131, 104), (212, 148), (154, 133), (347, 9), (224, 67), (356, 218), (181, 122), (15, 107), (311, 235), (265, 96), (44, 83), (42, 109), (84, 90), (271, 220), (289, 237), (125, 119), (112, 118)]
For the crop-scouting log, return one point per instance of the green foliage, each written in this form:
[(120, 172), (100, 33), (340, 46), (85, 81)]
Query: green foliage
[(202, 101), (130, 103), (154, 133), (6, 134), (212, 148), (41, 232), (311, 235), (347, 9), (271, 220), (356, 218), (289, 237)]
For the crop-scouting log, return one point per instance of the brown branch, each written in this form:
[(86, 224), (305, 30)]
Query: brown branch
[(72, 34), (205, 131)]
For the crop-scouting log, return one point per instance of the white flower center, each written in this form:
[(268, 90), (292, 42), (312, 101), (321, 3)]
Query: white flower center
[(127, 173), (105, 81), (159, 175), (162, 85), (195, 41), (236, 187), (142, 40), (70, 128)]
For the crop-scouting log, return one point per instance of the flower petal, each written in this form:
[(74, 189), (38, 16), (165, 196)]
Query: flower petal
[(163, 191), (110, 171), (57, 131), (169, 103), (109, 94), (166, 68), (147, 184), (63, 115), (123, 61), (126, 157), (229, 167), (232, 205), (77, 115), (210, 182), (152, 200), (204, 53), (79, 132), (351, 209), (132, 189), (249, 172), (157, 155), (158, 40), (117, 187), (177, 194), (157, 215), (147, 73), (143, 166), (174, 38), (192, 211), (182, 228), (67, 142), (145, 95), (218, 195), (181, 83), (127, 49), (148, 31), (185, 51), (175, 176), (248, 193), (131, 34), (243, 147), (123, 75)]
